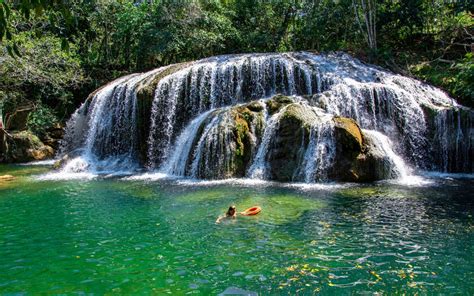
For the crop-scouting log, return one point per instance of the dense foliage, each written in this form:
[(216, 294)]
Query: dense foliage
[(55, 52)]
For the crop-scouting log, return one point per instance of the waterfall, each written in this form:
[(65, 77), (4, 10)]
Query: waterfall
[(320, 153), (258, 169), (110, 139), (210, 118), (218, 82), (454, 126), (394, 166), (212, 156), (383, 107), (176, 165)]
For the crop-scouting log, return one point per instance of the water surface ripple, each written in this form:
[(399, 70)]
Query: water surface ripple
[(118, 235)]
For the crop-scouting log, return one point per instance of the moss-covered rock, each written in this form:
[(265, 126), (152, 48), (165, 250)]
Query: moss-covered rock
[(277, 102), (230, 143), (290, 140), (358, 158), (25, 146), (60, 163), (371, 165), (243, 117), (240, 130), (349, 151)]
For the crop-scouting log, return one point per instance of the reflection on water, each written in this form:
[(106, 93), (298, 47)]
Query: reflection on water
[(141, 236)]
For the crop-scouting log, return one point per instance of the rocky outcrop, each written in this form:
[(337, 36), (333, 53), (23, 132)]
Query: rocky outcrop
[(25, 146), (228, 140), (353, 159), (53, 136), (358, 160), (290, 140)]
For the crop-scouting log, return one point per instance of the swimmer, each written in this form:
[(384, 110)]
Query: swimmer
[(231, 213)]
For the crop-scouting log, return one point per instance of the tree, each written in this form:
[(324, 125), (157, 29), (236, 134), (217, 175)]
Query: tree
[(43, 75), (365, 14), (25, 9)]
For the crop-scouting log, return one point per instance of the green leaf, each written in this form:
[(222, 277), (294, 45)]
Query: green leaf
[(39, 10), (64, 44), (10, 51), (15, 49)]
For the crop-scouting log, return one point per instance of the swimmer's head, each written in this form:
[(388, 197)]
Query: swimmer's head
[(231, 211)]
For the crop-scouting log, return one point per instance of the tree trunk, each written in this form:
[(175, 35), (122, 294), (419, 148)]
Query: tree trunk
[(367, 22)]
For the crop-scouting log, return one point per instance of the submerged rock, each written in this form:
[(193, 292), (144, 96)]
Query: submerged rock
[(60, 163), (6, 178)]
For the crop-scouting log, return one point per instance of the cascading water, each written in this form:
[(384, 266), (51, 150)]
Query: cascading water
[(218, 82), (103, 131), (176, 164), (259, 167), (454, 136), (394, 165), (319, 155), (203, 120)]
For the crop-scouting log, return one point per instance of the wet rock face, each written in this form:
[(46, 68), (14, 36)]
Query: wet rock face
[(227, 144), (348, 134), (369, 166), (291, 139), (24, 147), (289, 117)]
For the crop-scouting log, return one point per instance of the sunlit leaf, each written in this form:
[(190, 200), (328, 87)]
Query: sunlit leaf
[(378, 277)]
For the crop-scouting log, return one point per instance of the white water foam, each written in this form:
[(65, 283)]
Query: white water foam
[(47, 162), (398, 167), (106, 125)]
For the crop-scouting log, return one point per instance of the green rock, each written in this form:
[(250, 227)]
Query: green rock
[(290, 141), (277, 102), (24, 146)]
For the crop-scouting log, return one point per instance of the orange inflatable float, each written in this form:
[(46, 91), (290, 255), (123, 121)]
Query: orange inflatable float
[(251, 211)]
